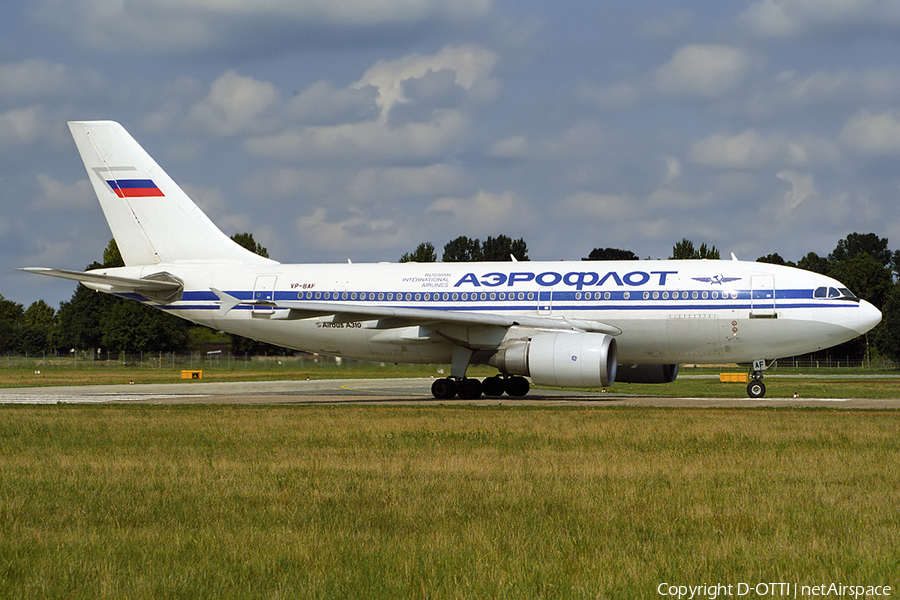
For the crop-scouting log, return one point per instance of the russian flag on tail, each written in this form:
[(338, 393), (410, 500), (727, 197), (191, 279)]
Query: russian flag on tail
[(134, 188)]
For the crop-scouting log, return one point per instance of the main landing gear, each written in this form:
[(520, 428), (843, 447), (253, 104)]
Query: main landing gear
[(471, 389), (756, 388)]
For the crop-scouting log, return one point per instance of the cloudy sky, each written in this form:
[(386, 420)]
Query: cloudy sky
[(336, 129)]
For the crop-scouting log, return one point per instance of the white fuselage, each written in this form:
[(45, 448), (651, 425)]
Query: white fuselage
[(659, 311)]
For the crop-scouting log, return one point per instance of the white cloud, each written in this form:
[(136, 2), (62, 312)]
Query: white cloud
[(405, 182), (374, 141), (790, 18), (482, 213), (843, 85), (351, 128), (514, 147), (617, 96), (590, 205), (173, 26), (323, 104), (213, 202), (802, 188), (354, 233), (292, 182), (673, 169), (235, 105), (583, 139), (704, 70), (24, 126), (345, 12), (40, 78), (471, 64), (752, 150), (867, 132), (54, 195), (670, 198)]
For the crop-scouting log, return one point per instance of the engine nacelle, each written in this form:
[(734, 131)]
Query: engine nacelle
[(646, 373), (580, 360)]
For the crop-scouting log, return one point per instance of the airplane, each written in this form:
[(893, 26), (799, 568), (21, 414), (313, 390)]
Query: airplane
[(584, 324)]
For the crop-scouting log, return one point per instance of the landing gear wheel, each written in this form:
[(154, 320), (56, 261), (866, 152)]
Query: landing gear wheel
[(469, 389), (517, 386), (443, 389), (756, 389), (493, 386)]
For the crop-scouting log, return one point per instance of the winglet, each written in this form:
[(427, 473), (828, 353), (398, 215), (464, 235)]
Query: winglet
[(226, 301), (733, 257)]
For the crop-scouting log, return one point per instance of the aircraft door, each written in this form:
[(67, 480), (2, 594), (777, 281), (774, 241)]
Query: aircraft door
[(264, 291), (762, 297), (545, 301)]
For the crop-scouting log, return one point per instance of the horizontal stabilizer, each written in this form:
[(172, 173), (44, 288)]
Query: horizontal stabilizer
[(162, 286)]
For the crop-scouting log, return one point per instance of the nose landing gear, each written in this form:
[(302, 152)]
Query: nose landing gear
[(756, 388)]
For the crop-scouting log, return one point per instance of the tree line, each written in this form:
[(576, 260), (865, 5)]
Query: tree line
[(92, 320)]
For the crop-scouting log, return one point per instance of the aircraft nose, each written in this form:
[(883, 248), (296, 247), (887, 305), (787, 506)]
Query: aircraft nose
[(867, 318)]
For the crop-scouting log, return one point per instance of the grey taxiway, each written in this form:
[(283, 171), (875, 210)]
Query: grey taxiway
[(379, 391)]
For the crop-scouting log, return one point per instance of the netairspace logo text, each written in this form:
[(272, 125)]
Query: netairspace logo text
[(771, 590)]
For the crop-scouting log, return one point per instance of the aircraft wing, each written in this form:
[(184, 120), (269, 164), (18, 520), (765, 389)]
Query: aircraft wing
[(391, 317)]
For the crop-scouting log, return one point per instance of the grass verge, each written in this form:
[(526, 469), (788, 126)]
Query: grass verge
[(440, 502)]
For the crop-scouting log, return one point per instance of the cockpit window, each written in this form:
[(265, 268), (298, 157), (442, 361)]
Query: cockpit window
[(834, 294)]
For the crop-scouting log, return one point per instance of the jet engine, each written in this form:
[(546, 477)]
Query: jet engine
[(580, 360), (646, 373)]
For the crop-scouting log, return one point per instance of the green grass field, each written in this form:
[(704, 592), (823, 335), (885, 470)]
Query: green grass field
[(441, 501)]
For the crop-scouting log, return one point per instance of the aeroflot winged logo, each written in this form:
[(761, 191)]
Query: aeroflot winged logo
[(715, 279), (125, 186)]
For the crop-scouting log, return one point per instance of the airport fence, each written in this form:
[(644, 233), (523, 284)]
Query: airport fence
[(223, 360), (216, 360)]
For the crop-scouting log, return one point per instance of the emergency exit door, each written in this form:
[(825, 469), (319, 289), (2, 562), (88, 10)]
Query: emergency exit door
[(264, 291), (762, 297)]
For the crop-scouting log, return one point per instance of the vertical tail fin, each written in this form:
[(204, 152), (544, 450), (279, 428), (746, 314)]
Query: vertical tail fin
[(151, 218)]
